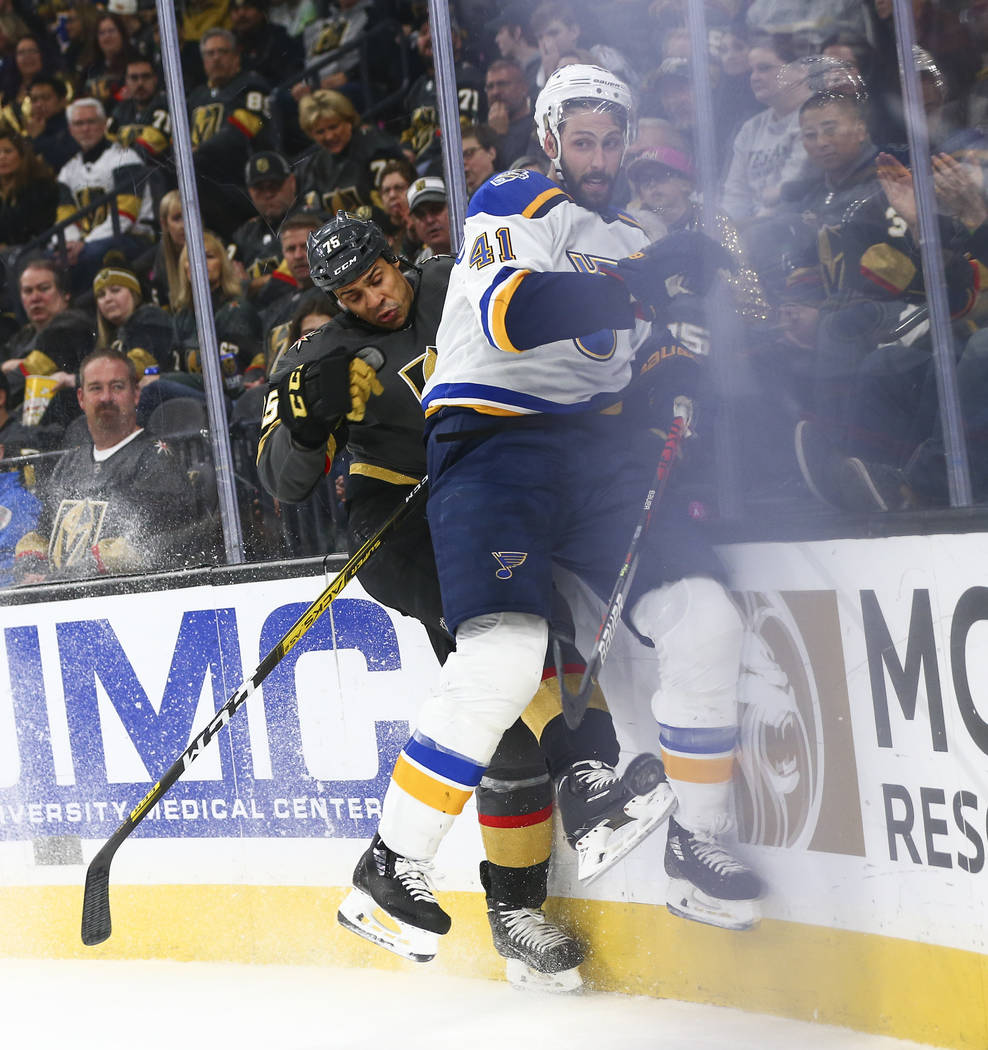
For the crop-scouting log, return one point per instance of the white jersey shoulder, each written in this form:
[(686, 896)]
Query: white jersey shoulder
[(520, 223)]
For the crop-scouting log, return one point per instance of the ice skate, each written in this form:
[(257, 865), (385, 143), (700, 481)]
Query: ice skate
[(538, 953), (393, 904), (605, 815), (708, 884)]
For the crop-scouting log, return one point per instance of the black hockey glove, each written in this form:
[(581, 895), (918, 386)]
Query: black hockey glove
[(672, 376), (692, 258), (314, 398)]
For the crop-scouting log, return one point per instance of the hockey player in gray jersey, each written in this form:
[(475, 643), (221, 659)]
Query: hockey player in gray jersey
[(323, 393), (543, 325)]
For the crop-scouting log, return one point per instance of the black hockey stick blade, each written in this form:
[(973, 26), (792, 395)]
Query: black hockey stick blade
[(96, 922), (574, 704)]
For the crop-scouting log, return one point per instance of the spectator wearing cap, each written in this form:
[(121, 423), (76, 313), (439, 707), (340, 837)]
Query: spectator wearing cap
[(265, 47), (345, 172), (480, 156), (141, 120), (657, 176), (669, 94), (515, 42), (664, 183), (130, 20), (509, 108), (273, 189), (124, 321), (429, 211)]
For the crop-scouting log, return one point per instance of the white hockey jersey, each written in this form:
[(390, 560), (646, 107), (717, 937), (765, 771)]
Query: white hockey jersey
[(520, 223), (114, 168)]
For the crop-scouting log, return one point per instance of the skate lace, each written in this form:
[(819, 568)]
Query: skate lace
[(529, 927), (595, 778), (710, 854), (414, 877)]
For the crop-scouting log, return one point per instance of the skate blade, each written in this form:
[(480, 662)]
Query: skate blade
[(603, 846), (360, 914), (684, 900), (527, 979)]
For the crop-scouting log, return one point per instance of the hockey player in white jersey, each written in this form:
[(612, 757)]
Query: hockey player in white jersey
[(546, 320)]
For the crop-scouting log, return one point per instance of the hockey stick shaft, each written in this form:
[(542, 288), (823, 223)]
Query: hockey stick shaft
[(96, 924), (575, 703)]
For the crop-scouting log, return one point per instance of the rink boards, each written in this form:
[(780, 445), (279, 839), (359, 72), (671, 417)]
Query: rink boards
[(862, 787)]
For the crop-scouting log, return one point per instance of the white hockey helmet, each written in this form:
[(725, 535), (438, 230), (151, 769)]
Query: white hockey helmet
[(584, 84)]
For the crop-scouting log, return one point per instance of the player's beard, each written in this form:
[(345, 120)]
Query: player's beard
[(593, 191)]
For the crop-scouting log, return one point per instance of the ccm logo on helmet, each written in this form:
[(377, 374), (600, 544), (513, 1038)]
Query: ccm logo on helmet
[(344, 266)]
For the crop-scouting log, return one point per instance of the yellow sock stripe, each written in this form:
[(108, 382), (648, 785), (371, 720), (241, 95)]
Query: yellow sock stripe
[(715, 769), (518, 847), (547, 703), (426, 789)]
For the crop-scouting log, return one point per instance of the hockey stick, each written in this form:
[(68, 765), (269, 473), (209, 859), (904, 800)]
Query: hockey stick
[(96, 898), (575, 703)]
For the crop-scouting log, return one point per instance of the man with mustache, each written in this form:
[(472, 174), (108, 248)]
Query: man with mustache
[(429, 212), (120, 503)]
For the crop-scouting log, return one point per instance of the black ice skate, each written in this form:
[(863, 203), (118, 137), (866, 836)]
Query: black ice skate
[(539, 954), (393, 904), (605, 815), (708, 884)]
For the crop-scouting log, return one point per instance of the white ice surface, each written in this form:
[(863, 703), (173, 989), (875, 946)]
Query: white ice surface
[(102, 1005)]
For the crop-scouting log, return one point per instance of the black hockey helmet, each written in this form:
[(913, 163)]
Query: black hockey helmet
[(343, 249)]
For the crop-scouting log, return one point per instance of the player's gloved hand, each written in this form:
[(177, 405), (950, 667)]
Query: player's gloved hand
[(115, 554), (684, 261), (672, 376), (363, 385), (314, 397)]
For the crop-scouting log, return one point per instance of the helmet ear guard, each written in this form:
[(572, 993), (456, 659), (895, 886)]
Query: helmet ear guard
[(344, 249)]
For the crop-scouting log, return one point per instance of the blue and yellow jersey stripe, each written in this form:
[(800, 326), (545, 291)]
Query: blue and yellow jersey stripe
[(494, 306)]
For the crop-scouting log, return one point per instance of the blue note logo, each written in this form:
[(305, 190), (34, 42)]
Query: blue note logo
[(508, 560)]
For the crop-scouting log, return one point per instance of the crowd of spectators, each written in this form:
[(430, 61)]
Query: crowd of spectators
[(299, 108)]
